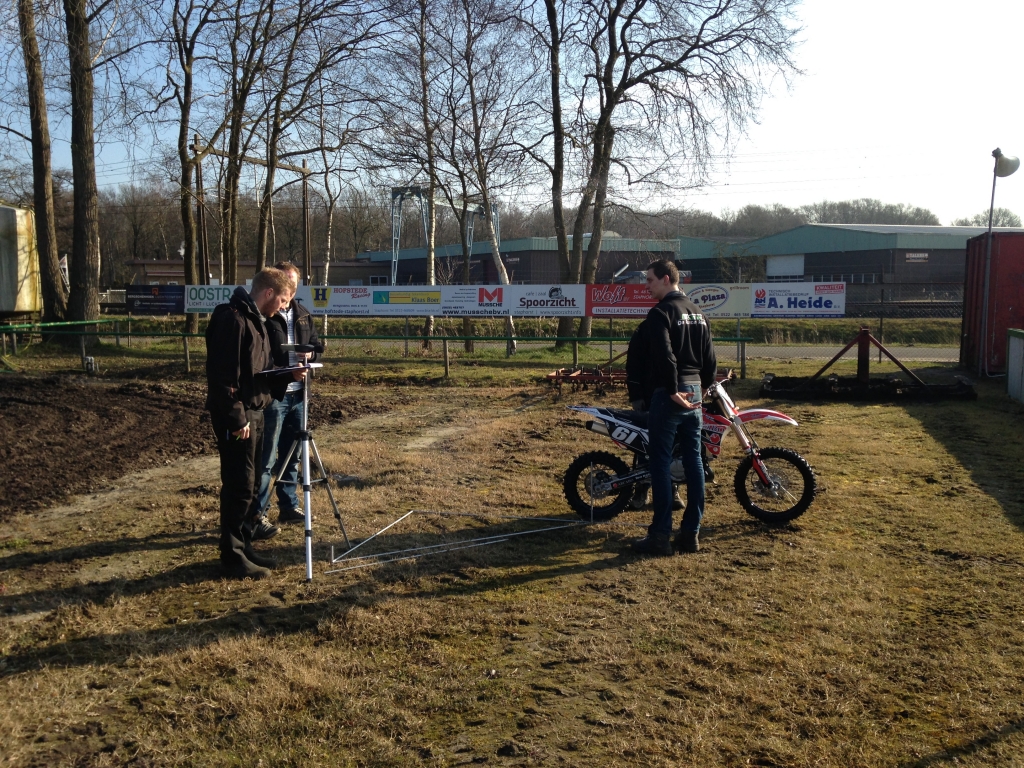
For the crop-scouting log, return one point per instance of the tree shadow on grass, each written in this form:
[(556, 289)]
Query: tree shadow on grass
[(92, 549), (284, 619), (984, 437), (953, 755)]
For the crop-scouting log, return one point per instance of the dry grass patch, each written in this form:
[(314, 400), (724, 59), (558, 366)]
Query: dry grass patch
[(882, 628)]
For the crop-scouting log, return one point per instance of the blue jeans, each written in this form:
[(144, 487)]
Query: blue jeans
[(671, 424), (282, 422)]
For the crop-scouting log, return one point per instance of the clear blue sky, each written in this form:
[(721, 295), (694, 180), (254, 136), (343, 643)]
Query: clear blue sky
[(901, 100)]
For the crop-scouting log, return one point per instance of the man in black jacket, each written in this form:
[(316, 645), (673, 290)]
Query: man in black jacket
[(283, 417), (671, 361), (237, 350)]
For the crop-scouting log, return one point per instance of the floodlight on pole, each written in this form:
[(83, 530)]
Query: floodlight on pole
[(1005, 165)]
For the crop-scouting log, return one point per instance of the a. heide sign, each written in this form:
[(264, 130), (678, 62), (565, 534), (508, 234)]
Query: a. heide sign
[(632, 300), (799, 300)]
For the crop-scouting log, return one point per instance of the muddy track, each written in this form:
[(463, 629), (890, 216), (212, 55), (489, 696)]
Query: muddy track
[(65, 435)]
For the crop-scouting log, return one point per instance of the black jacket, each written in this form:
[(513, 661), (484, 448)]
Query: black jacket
[(670, 348), (305, 333), (237, 347)]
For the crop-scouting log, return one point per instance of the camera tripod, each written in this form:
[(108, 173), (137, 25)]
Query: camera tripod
[(303, 442)]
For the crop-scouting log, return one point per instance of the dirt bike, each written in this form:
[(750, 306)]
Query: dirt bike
[(774, 485)]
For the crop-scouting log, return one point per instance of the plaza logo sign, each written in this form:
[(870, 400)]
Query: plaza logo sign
[(709, 297)]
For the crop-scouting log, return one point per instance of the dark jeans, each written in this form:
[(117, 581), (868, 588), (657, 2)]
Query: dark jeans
[(239, 475), (671, 424), (282, 422)]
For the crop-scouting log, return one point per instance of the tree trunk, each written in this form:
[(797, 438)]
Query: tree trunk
[(428, 133), (467, 254), (55, 298), (85, 250), (558, 161), (327, 249), (603, 168)]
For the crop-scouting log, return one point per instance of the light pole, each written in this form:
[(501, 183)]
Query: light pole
[(1004, 166)]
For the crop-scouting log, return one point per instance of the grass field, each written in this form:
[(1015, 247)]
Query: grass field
[(883, 628)]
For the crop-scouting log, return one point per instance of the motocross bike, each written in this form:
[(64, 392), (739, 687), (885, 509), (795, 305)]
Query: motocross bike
[(774, 485)]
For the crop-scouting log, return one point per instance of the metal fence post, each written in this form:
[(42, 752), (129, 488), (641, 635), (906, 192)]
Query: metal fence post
[(407, 337), (14, 342), (4, 334), (117, 333), (575, 353), (447, 365), (611, 350), (129, 330), (188, 364), (743, 359)]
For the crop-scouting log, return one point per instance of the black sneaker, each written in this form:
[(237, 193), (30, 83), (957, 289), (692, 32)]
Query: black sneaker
[(291, 516), (651, 544), (263, 529), (687, 541)]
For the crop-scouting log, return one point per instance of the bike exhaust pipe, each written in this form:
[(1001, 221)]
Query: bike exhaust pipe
[(600, 427)]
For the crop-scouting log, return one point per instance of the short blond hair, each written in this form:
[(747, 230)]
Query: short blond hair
[(271, 278)]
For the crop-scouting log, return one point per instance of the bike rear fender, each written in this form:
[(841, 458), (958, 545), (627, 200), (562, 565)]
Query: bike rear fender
[(754, 414)]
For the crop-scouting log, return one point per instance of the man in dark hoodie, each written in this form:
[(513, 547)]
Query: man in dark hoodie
[(237, 349), (671, 361), (283, 417)]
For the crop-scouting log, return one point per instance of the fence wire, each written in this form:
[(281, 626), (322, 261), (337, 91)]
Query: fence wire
[(916, 332)]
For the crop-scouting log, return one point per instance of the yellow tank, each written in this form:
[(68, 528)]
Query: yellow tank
[(20, 289)]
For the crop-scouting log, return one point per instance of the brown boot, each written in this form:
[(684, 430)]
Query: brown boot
[(687, 541)]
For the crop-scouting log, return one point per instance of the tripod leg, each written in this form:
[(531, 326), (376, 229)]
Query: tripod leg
[(330, 494)]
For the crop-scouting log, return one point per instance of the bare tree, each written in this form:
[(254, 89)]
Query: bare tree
[(655, 83), (1001, 217), (55, 296)]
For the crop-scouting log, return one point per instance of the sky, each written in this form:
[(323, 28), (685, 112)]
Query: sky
[(900, 100)]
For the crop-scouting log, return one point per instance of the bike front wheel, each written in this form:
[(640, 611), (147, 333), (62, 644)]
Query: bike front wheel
[(581, 481), (789, 492)]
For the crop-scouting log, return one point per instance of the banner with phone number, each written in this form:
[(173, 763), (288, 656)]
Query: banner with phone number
[(623, 300)]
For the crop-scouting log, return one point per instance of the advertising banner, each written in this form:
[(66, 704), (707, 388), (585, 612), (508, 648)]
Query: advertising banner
[(475, 300), (625, 300), (548, 300), (799, 300), (155, 299), (720, 301), (203, 298)]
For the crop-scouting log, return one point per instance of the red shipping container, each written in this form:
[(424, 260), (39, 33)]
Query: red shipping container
[(1005, 300)]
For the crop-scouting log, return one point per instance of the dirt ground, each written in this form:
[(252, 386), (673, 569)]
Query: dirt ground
[(882, 628), (74, 434)]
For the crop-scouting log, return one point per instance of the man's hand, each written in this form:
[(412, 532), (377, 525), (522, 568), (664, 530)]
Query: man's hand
[(301, 359), (684, 401), (242, 434)]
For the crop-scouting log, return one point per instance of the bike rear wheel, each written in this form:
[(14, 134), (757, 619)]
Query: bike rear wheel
[(589, 470), (791, 489)]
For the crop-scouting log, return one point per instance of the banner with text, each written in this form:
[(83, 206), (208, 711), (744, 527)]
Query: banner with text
[(628, 300), (799, 300)]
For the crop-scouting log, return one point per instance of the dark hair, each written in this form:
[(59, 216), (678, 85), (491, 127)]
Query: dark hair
[(661, 267), (274, 279)]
